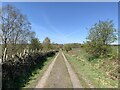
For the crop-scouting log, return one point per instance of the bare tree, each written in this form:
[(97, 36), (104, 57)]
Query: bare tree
[(15, 28)]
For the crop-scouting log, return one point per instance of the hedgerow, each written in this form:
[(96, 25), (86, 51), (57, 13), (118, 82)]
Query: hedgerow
[(16, 71)]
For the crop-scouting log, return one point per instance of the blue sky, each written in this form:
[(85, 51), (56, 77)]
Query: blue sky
[(66, 22)]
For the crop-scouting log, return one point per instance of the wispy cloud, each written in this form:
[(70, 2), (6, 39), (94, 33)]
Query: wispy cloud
[(42, 32), (49, 23), (53, 33)]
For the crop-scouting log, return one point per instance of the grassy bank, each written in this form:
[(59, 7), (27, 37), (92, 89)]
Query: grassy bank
[(37, 74), (95, 72)]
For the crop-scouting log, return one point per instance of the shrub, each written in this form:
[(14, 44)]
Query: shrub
[(16, 71)]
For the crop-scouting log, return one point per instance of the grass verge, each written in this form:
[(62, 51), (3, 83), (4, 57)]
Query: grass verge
[(87, 71), (37, 74)]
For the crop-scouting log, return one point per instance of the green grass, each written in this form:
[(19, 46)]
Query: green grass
[(37, 74), (115, 51), (90, 70)]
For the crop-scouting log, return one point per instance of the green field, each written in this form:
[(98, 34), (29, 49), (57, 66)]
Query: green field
[(100, 72)]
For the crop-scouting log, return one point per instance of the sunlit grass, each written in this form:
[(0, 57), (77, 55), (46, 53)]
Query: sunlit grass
[(91, 70)]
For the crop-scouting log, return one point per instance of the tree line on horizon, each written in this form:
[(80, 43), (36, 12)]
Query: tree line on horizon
[(16, 35)]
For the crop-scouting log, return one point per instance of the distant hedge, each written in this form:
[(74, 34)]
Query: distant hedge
[(16, 71)]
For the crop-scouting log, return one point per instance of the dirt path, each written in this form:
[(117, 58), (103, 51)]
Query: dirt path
[(59, 75), (73, 76), (45, 76)]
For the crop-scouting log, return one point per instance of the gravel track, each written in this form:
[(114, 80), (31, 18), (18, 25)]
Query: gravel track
[(59, 75)]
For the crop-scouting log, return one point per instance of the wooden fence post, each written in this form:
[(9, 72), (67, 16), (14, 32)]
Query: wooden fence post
[(4, 54), (6, 57), (20, 55), (24, 52), (13, 56)]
